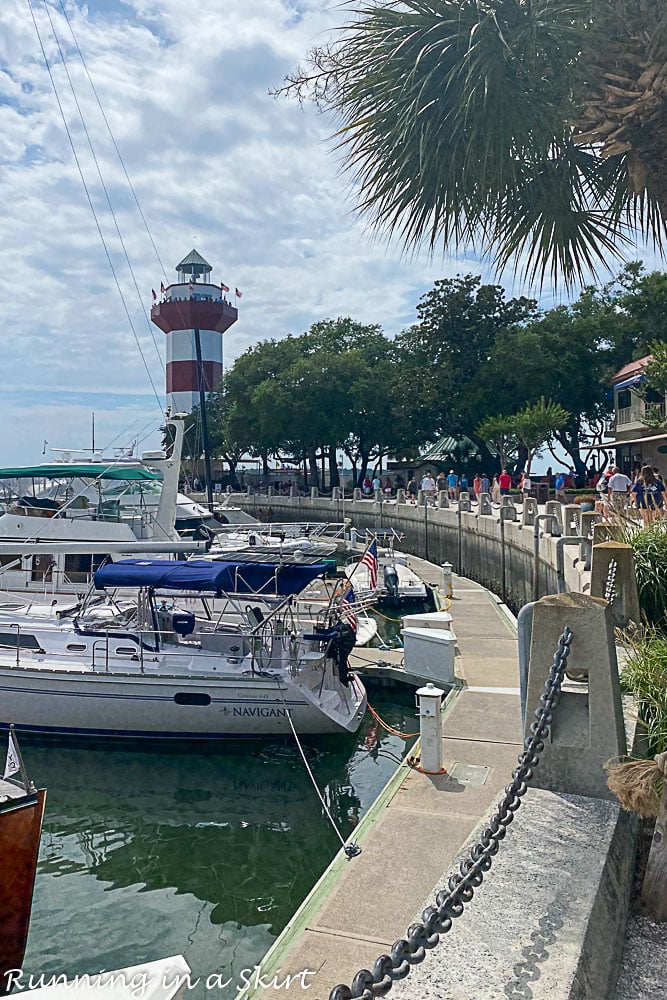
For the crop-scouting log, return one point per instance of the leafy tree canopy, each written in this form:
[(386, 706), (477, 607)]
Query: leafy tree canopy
[(536, 132)]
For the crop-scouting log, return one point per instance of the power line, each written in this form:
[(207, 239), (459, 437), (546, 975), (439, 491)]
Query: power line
[(92, 207), (102, 182)]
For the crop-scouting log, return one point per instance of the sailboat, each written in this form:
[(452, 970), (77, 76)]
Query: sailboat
[(21, 814), (156, 662)]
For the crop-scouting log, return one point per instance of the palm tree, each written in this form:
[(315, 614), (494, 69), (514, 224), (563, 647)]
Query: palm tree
[(534, 130)]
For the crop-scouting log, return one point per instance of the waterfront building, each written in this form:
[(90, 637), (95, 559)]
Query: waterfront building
[(194, 313), (635, 443)]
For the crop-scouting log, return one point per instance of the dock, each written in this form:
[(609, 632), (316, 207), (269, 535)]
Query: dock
[(418, 825)]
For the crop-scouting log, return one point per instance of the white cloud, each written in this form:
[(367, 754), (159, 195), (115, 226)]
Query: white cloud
[(211, 155)]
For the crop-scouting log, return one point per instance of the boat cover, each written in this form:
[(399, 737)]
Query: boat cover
[(200, 575), (85, 470)]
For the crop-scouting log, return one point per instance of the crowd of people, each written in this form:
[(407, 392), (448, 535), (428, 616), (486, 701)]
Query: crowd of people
[(644, 491)]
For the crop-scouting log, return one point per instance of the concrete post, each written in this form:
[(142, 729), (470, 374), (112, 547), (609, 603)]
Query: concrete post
[(589, 519), (508, 511), (571, 519), (529, 512), (485, 505), (377, 496), (336, 493), (430, 727), (464, 501), (554, 508), (507, 501), (293, 491), (606, 531), (447, 580), (400, 497), (356, 494), (249, 491), (443, 499), (270, 491), (314, 493), (622, 581), (421, 498), (587, 727), (229, 489)]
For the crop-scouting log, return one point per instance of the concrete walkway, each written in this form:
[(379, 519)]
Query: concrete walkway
[(420, 823)]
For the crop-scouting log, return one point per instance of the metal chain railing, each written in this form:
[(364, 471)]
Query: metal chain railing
[(437, 920), (610, 586)]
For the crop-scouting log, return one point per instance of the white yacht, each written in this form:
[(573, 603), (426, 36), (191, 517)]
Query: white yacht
[(148, 665), (54, 534)]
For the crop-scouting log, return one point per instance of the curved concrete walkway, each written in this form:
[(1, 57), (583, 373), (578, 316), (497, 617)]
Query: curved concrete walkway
[(414, 832)]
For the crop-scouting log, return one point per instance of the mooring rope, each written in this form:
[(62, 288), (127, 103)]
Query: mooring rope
[(351, 850)]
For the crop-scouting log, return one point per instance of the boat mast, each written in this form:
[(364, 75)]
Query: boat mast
[(204, 420)]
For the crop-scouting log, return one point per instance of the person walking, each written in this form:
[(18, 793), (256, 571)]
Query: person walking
[(618, 487), (463, 483), (525, 485), (428, 487), (411, 489), (486, 486), (496, 492), (453, 485), (560, 487), (505, 483), (477, 485), (441, 482), (649, 494)]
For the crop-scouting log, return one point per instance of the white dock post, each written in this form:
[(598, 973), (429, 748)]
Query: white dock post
[(447, 582), (429, 705), (353, 537)]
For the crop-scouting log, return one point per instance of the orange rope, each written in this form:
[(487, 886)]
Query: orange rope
[(412, 762), (385, 725)]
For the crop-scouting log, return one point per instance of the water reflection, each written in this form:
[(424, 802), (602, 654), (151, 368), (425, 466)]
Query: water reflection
[(147, 854)]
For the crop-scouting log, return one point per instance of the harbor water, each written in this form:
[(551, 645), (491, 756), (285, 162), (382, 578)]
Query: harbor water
[(208, 855)]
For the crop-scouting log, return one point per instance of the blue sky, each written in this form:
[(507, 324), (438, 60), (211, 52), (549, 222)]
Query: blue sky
[(216, 162)]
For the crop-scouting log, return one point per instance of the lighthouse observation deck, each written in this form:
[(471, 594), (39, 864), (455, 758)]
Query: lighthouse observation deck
[(185, 307)]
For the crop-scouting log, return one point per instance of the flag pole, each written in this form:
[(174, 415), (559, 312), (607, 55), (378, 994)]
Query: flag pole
[(25, 781)]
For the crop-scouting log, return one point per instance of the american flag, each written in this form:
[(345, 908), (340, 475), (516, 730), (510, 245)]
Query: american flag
[(370, 559), (347, 608)]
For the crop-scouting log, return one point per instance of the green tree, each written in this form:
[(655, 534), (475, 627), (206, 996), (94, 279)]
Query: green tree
[(446, 357), (536, 424), (501, 433), (533, 130)]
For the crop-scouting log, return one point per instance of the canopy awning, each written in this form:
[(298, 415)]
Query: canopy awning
[(83, 470), (212, 577), (619, 444), (630, 382)]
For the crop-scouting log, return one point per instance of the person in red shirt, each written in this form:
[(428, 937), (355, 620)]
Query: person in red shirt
[(504, 481)]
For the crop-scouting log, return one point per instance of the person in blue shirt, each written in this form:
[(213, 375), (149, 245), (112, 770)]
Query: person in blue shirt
[(649, 494), (560, 487), (463, 483), (453, 485)]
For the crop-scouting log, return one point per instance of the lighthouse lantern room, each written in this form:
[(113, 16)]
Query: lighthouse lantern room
[(194, 314)]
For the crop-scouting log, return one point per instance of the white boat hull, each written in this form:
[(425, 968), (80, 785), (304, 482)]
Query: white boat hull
[(139, 706)]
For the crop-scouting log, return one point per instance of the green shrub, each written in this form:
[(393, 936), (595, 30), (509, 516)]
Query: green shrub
[(645, 676), (650, 555)]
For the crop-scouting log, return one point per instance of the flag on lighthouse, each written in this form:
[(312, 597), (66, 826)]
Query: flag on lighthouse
[(370, 561), (13, 761), (154, 295), (224, 287), (162, 288), (237, 293)]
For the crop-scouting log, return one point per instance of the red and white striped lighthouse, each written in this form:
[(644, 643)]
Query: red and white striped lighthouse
[(194, 314)]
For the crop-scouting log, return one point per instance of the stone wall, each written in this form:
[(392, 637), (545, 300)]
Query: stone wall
[(471, 542)]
